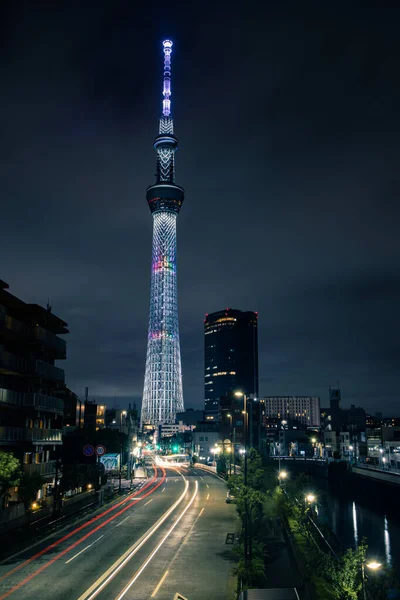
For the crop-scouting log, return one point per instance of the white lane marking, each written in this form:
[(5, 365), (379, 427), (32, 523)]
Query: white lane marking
[(156, 549), (148, 502), (201, 478), (208, 495), (123, 521), (163, 490), (207, 485), (159, 585), (201, 512), (195, 472), (108, 575), (71, 559)]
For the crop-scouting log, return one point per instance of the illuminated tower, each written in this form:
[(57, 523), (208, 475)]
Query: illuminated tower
[(162, 393)]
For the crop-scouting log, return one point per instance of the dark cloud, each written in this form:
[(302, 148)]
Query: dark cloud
[(288, 126)]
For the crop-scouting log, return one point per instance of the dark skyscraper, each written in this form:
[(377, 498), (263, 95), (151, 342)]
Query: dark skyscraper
[(230, 355)]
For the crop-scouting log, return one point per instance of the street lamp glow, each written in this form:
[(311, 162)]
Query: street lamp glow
[(282, 474), (140, 444), (313, 440), (310, 498), (351, 447), (239, 394), (229, 416), (373, 565)]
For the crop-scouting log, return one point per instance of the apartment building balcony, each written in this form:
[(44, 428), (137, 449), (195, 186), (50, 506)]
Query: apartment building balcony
[(11, 435), (11, 364), (11, 397), (43, 402), (58, 345), (46, 468), (44, 436), (11, 327), (49, 371), (38, 401)]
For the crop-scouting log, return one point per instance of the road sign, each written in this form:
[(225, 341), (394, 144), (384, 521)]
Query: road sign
[(88, 450), (100, 450)]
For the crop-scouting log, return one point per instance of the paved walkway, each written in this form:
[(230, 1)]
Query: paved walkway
[(282, 570)]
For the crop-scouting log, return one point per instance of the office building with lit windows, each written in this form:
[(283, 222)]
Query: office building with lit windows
[(230, 356), (304, 409)]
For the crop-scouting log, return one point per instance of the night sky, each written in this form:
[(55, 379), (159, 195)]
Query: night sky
[(287, 115)]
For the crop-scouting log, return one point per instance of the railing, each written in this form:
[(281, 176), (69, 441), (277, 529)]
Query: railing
[(11, 397), (42, 435), (13, 363), (49, 371), (44, 402), (40, 401), (11, 434), (47, 468), (50, 339)]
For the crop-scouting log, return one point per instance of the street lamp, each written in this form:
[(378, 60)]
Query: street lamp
[(310, 498), (282, 476), (374, 566), (230, 437), (245, 428)]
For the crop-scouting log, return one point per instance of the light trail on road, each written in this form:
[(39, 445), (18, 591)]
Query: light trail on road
[(105, 579), (72, 546), (150, 557), (76, 530)]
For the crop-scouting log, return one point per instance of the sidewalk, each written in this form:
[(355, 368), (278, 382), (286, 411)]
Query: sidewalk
[(281, 568)]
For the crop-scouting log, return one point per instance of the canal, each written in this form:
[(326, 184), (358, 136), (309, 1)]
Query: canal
[(352, 521)]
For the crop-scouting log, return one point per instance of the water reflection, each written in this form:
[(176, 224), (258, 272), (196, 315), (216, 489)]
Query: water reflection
[(386, 535), (355, 529)]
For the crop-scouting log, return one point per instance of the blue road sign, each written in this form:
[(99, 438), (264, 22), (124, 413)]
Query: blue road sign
[(88, 450)]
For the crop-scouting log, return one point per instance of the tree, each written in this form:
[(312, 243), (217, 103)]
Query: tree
[(345, 574), (221, 463), (10, 473), (255, 470), (29, 487)]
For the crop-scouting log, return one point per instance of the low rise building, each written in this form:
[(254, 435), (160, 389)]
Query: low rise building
[(31, 415)]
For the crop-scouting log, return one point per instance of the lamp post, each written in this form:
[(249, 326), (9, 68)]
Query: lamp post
[(282, 476), (246, 545), (230, 437), (374, 566)]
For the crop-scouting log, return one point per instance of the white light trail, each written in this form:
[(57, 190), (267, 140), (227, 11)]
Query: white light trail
[(108, 575), (76, 555), (150, 557)]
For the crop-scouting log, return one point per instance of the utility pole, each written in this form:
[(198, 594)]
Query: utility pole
[(246, 532), (234, 447)]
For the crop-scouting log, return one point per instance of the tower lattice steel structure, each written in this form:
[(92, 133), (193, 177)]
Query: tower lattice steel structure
[(162, 393)]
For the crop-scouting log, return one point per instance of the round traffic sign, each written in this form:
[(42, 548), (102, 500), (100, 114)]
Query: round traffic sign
[(88, 450), (100, 450)]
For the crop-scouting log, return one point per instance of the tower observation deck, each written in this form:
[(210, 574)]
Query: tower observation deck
[(162, 392)]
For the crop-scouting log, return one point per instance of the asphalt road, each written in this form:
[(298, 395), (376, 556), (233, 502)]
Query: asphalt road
[(167, 537)]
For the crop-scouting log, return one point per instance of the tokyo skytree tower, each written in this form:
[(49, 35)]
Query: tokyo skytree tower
[(162, 393)]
